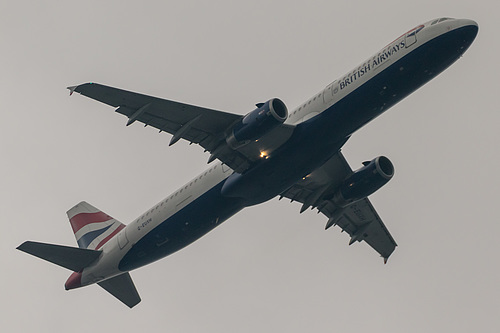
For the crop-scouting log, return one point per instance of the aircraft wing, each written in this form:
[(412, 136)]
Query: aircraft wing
[(203, 126), (359, 220)]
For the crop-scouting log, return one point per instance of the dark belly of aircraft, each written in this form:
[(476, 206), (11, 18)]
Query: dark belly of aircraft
[(316, 140), (181, 229), (393, 84), (311, 145)]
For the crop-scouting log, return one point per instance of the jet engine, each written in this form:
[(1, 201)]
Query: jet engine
[(364, 181), (257, 123)]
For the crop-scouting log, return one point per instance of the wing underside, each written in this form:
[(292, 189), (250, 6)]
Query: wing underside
[(199, 125), (359, 220)]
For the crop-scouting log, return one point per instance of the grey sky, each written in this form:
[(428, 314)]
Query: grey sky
[(268, 268)]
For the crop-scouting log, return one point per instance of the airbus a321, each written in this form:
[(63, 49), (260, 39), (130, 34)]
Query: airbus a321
[(267, 153)]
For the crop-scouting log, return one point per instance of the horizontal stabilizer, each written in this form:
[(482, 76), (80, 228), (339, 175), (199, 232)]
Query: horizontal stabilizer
[(122, 287), (72, 258)]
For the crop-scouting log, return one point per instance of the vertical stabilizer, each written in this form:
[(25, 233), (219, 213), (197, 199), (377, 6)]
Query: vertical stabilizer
[(92, 227)]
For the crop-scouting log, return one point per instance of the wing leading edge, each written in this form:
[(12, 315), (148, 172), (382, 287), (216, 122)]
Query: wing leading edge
[(359, 220), (203, 126)]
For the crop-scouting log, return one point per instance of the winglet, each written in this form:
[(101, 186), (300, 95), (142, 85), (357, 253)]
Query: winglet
[(72, 89)]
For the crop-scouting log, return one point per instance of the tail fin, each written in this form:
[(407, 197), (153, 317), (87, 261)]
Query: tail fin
[(71, 258), (92, 227)]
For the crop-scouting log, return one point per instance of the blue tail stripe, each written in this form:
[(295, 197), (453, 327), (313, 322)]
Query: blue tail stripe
[(89, 237)]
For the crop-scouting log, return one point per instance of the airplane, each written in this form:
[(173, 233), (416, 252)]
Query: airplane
[(264, 154)]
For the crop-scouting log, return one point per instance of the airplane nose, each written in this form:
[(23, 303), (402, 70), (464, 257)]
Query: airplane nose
[(74, 281), (467, 22), (463, 31), (464, 34), (470, 26)]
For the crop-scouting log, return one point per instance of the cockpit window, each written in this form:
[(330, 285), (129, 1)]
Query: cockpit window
[(440, 20)]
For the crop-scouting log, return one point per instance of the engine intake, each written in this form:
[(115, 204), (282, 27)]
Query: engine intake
[(257, 123), (364, 181)]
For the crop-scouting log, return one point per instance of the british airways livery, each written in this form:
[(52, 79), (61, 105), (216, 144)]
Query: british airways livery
[(267, 153)]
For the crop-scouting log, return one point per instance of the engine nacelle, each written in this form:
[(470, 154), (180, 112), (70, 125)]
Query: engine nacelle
[(364, 181), (257, 123)]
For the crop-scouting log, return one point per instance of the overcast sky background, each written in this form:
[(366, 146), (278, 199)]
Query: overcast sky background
[(267, 268)]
